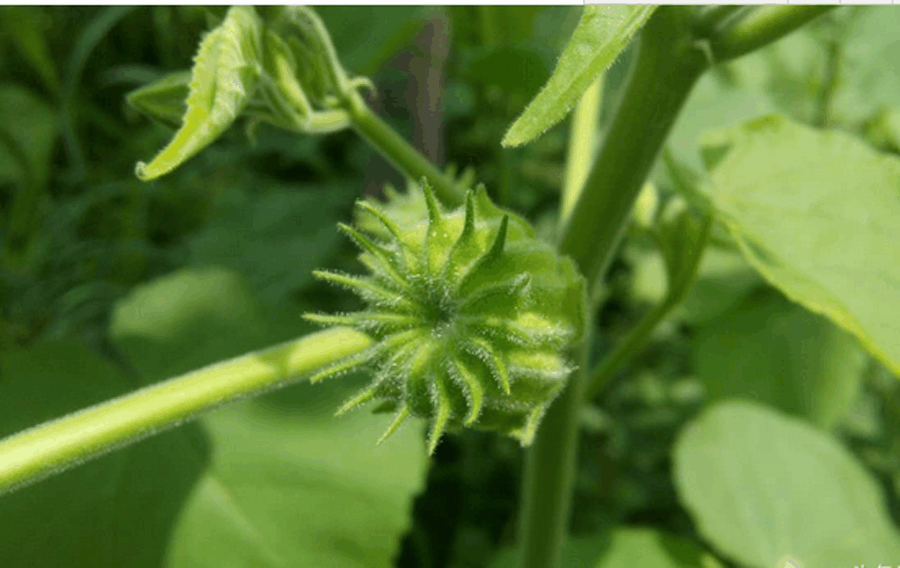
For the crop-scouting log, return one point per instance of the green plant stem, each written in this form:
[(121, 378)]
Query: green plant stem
[(71, 440), (398, 151), (667, 66), (626, 349), (549, 479), (760, 26), (581, 146), (710, 17)]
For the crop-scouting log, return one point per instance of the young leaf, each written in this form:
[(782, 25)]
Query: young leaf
[(601, 35), (768, 490), (165, 99), (816, 214), (223, 79)]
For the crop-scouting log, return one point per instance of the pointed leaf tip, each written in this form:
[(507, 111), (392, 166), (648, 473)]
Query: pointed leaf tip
[(601, 35), (434, 213)]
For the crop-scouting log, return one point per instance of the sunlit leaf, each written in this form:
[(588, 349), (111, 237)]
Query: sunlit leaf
[(816, 214), (767, 490), (602, 33), (223, 78)]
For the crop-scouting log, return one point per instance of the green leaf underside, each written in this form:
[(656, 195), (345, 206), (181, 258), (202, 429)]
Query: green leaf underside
[(136, 492), (164, 99), (222, 81), (602, 33), (753, 480), (632, 547), (773, 351), (288, 484), (471, 313), (816, 214)]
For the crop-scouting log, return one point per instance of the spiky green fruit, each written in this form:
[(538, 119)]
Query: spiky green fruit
[(473, 316)]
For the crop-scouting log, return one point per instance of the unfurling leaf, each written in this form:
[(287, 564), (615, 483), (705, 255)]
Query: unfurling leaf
[(165, 99), (602, 33), (223, 79)]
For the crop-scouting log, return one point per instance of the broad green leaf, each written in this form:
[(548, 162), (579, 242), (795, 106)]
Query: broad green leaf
[(28, 130), (869, 53), (883, 129), (631, 547), (165, 99), (723, 279), (765, 489), (301, 488), (816, 214), (776, 352), (289, 484), (118, 510), (602, 33), (223, 79), (712, 104), (196, 316), (274, 240)]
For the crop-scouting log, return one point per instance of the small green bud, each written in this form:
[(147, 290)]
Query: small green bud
[(473, 316)]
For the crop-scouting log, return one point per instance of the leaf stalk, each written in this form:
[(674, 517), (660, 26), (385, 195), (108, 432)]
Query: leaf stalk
[(55, 446)]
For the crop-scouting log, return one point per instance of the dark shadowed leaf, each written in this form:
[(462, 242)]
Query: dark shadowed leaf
[(297, 488), (776, 352), (118, 510)]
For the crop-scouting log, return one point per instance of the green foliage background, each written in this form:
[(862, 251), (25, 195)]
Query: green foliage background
[(107, 283)]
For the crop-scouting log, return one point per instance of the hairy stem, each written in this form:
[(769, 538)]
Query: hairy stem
[(57, 445), (549, 478), (399, 152), (666, 69), (760, 26)]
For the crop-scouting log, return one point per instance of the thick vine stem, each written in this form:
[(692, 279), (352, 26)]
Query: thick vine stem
[(666, 69), (399, 153), (57, 445), (667, 66)]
